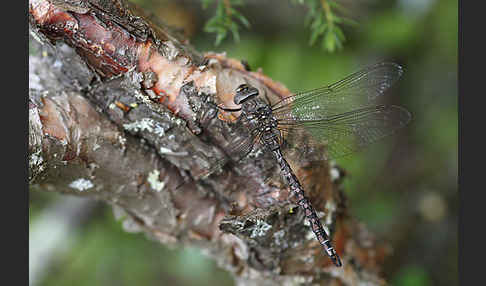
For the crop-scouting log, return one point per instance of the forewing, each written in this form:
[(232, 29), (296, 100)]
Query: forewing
[(235, 152), (348, 132), (355, 91)]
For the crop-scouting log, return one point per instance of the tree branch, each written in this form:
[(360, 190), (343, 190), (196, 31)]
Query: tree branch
[(122, 110)]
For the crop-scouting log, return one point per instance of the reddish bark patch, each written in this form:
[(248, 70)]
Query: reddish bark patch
[(172, 75), (107, 48)]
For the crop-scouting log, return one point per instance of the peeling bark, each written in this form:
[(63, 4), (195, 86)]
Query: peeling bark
[(121, 108)]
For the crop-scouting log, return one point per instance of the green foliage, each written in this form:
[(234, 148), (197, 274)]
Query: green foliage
[(322, 19), (412, 275), (224, 20)]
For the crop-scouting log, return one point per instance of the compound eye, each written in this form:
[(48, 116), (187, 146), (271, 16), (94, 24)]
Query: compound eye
[(244, 92), (242, 88)]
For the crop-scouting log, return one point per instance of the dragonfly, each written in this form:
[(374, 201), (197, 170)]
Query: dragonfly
[(344, 117)]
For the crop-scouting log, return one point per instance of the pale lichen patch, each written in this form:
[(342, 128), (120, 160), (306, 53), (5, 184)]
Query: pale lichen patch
[(81, 184), (309, 235), (334, 172), (166, 151), (279, 238), (326, 229), (36, 160), (96, 146), (170, 50), (306, 222), (159, 130), (129, 225), (153, 180), (122, 140), (331, 207), (260, 229), (296, 280), (145, 124)]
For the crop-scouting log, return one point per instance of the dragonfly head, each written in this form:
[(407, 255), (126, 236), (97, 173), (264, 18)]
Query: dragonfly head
[(244, 92)]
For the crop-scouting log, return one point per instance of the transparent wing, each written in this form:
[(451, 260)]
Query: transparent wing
[(235, 151), (347, 132), (353, 92)]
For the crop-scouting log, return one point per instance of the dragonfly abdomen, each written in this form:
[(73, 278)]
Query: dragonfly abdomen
[(305, 204)]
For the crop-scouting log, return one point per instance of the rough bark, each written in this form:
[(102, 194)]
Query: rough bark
[(120, 110)]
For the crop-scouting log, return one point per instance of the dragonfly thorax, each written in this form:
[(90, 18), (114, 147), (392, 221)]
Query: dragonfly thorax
[(257, 116), (259, 119), (260, 115)]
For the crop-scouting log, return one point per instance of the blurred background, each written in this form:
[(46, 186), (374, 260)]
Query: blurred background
[(404, 189)]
